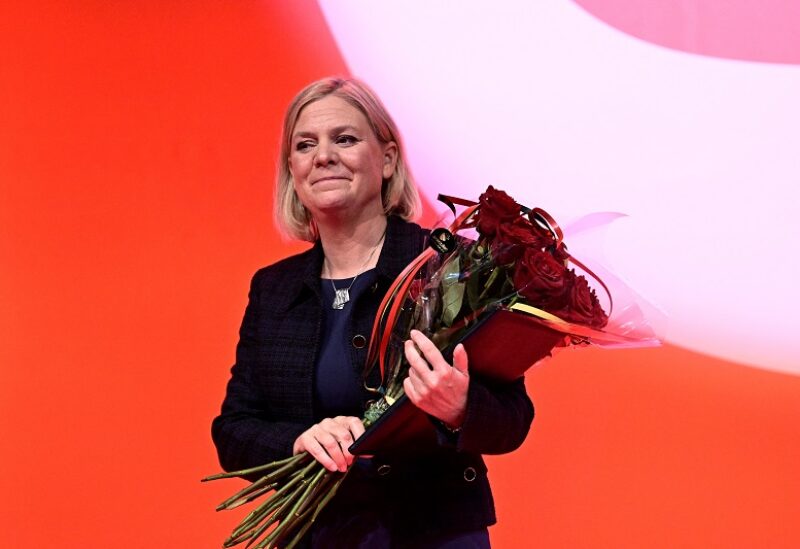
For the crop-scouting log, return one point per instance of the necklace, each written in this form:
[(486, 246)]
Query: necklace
[(342, 295)]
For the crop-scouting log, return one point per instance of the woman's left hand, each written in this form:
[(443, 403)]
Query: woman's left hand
[(432, 384)]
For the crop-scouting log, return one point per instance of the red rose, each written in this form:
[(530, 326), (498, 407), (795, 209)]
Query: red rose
[(583, 306), (512, 238), (539, 278), (495, 207)]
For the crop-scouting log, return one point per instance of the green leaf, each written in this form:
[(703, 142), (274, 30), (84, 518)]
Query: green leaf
[(474, 288), (452, 292)]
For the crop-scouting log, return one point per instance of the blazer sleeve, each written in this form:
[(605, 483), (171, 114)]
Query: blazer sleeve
[(244, 433), (498, 417)]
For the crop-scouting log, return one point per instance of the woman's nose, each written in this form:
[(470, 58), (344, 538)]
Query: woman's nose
[(326, 154)]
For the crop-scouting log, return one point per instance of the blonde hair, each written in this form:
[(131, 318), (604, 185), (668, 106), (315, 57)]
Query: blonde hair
[(400, 196)]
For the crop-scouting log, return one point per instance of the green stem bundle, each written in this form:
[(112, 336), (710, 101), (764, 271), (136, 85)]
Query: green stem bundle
[(301, 488)]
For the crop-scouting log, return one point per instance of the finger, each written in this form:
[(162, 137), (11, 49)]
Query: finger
[(416, 363), (333, 448), (329, 433), (460, 359), (413, 396), (338, 427), (425, 373), (346, 430), (356, 429), (414, 375), (413, 354), (429, 351), (307, 443), (355, 426), (423, 387)]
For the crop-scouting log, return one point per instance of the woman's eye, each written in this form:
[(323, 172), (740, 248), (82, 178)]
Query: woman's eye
[(346, 140), (303, 145)]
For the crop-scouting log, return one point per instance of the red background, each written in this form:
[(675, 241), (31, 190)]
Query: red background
[(137, 151)]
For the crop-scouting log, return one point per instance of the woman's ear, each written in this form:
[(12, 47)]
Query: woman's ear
[(389, 159)]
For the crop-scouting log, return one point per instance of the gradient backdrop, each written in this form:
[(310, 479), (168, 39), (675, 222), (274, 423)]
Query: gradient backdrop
[(137, 149)]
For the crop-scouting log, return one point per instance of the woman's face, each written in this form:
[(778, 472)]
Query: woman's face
[(336, 161)]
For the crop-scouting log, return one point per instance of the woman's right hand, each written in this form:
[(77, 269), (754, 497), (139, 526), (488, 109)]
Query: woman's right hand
[(328, 441)]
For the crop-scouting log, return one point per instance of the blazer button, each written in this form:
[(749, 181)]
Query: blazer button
[(384, 469), (359, 341), (470, 474)]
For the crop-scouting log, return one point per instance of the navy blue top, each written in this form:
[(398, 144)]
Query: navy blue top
[(338, 387)]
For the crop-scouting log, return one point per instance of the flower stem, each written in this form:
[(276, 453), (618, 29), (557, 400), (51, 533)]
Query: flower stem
[(313, 487), (259, 469), (318, 507), (244, 492)]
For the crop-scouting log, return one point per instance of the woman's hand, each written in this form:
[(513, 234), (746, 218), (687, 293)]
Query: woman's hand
[(328, 441), (432, 384)]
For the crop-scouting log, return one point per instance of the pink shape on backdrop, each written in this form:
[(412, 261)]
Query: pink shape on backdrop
[(750, 30), (620, 122)]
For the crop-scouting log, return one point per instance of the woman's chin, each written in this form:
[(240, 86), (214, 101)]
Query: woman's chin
[(344, 207)]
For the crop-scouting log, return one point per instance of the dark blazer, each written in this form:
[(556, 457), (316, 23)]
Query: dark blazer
[(269, 400)]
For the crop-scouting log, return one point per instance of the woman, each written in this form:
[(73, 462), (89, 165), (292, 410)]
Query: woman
[(343, 185)]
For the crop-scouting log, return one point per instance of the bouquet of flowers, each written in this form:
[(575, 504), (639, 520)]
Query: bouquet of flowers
[(498, 278)]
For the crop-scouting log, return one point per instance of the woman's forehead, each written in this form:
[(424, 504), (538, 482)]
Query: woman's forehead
[(328, 113)]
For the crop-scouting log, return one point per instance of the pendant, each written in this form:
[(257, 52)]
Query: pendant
[(342, 297)]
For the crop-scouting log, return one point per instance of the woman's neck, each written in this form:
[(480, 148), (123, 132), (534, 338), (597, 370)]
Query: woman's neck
[(351, 248)]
